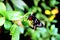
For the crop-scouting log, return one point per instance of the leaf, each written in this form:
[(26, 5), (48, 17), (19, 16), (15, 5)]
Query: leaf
[(43, 31), (36, 2), (25, 23), (39, 9), (2, 9), (14, 15), (53, 3), (34, 36), (43, 17), (54, 30), (7, 25), (38, 35), (38, 15), (29, 32), (8, 7), (58, 37), (15, 32), (45, 6), (15, 37), (19, 4), (2, 21), (53, 38), (1, 0), (54, 21), (21, 30), (14, 29)]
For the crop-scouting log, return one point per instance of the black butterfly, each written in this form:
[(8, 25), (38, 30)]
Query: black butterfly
[(36, 22)]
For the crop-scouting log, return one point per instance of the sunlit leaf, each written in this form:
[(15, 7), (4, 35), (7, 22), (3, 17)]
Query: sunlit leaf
[(43, 31), (2, 21), (38, 35), (21, 30), (34, 36), (14, 15), (2, 9), (54, 30), (53, 38), (15, 36), (15, 32), (14, 29), (19, 4)]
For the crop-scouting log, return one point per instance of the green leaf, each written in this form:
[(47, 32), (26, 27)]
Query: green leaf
[(38, 35), (15, 36), (43, 17), (34, 36), (53, 38), (14, 29), (2, 9), (45, 6), (38, 15), (34, 9), (15, 32), (54, 21), (43, 31), (7, 25), (2, 21), (29, 32), (58, 37), (19, 4), (8, 7), (21, 30), (54, 30), (39, 9), (14, 15), (25, 23), (53, 3), (1, 0), (36, 2)]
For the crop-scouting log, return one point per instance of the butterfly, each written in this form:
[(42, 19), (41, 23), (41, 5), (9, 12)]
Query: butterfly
[(36, 22)]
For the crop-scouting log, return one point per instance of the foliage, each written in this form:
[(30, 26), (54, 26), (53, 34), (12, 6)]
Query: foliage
[(16, 20)]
